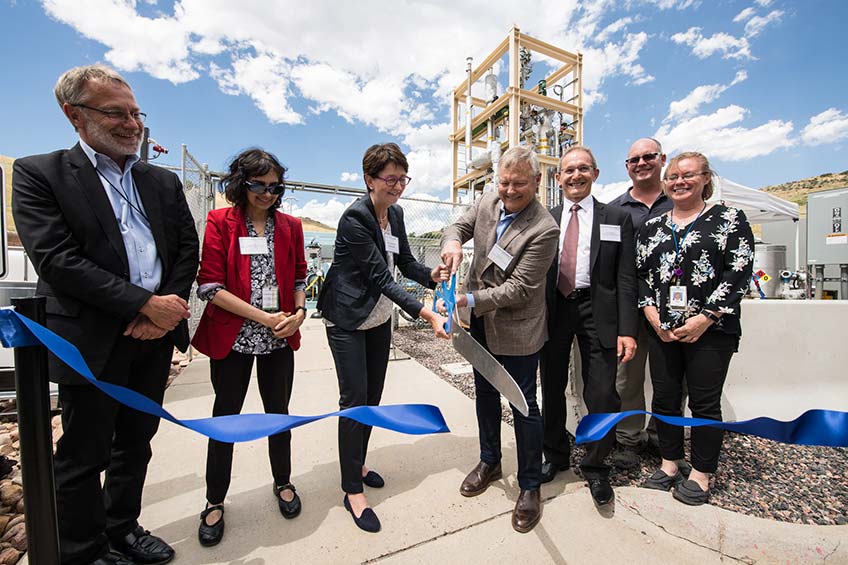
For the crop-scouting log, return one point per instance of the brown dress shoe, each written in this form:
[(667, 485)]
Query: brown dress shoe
[(528, 511), (479, 478)]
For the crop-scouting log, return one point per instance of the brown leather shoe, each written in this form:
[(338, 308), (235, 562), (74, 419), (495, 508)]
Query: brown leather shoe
[(528, 511), (479, 478)]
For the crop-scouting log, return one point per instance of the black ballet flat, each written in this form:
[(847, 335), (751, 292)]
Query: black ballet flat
[(211, 535), (289, 509), (373, 480)]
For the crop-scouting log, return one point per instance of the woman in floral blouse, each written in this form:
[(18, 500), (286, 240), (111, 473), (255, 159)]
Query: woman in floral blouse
[(694, 267), (253, 276)]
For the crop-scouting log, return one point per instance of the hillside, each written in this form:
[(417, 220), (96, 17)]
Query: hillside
[(314, 225), (796, 191)]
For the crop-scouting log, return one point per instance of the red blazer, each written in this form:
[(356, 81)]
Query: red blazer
[(222, 261)]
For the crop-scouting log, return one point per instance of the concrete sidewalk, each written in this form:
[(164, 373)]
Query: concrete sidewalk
[(425, 520)]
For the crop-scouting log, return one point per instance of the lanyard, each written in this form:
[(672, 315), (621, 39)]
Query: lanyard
[(136, 207), (678, 271)]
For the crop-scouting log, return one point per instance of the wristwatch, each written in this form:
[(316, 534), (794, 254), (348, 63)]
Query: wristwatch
[(296, 308), (711, 315)]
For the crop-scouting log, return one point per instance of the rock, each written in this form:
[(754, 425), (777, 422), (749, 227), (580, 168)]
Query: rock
[(9, 556), (16, 445), (4, 521), (184, 363), (10, 494), (57, 421), (19, 507), (14, 434), (5, 439), (6, 449), (16, 535), (19, 519)]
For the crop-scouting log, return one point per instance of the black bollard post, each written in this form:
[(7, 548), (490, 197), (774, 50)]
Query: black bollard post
[(36, 441)]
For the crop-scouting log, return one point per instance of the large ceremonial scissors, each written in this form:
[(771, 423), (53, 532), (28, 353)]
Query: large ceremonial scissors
[(476, 354)]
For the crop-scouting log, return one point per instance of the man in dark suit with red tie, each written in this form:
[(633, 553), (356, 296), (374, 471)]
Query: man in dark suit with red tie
[(115, 248), (591, 296)]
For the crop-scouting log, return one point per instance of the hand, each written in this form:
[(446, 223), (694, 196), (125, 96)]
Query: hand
[(142, 328), (289, 325), (461, 300), (166, 311), (626, 348), (693, 329), (440, 273), (452, 255), (437, 322), (272, 319)]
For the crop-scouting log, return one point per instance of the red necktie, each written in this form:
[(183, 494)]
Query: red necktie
[(568, 260)]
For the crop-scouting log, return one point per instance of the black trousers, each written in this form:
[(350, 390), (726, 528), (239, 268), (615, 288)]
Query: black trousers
[(102, 435), (528, 429), (361, 358), (230, 379), (703, 365), (573, 318)]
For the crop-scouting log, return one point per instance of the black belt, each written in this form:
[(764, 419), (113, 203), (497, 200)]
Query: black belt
[(578, 294)]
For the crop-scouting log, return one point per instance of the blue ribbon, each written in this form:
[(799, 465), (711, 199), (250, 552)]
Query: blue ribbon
[(19, 331), (827, 428), (448, 295)]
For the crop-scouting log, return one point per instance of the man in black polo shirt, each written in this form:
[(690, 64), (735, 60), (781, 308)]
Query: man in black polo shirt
[(643, 201)]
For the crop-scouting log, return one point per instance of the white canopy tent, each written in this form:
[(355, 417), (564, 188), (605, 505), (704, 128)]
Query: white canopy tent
[(760, 207)]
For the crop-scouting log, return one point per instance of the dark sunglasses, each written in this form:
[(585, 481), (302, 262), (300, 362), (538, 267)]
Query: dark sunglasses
[(257, 187), (647, 157)]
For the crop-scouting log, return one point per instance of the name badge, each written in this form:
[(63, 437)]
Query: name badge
[(253, 245), (500, 257), (677, 297), (270, 298), (610, 232), (392, 243)]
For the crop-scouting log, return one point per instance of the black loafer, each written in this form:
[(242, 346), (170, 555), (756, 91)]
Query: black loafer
[(549, 470), (601, 490), (373, 480), (289, 509), (140, 546), (112, 558), (209, 535), (689, 492), (661, 481), (368, 521)]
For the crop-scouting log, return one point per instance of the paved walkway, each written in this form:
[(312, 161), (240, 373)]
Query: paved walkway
[(425, 520)]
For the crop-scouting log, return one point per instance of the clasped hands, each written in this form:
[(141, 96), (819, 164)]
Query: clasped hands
[(158, 316), (284, 324)]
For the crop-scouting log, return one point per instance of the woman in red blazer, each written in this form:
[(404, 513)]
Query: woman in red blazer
[(253, 275)]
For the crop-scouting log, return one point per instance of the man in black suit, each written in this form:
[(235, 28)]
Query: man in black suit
[(591, 296), (116, 251)]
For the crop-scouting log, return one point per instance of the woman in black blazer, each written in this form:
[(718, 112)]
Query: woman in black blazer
[(356, 303)]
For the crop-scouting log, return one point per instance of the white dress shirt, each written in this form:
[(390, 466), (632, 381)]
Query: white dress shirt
[(584, 243)]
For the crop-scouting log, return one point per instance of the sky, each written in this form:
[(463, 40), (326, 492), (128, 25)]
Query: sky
[(759, 86)]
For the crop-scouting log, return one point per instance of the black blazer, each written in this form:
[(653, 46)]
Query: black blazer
[(68, 228), (612, 277), (360, 273)]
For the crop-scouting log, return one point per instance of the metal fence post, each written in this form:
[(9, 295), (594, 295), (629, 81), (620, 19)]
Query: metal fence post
[(36, 442)]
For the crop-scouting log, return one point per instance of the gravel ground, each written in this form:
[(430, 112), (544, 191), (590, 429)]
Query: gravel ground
[(756, 477)]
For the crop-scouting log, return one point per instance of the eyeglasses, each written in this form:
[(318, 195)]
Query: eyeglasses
[(583, 169), (647, 157), (117, 115), (257, 187), (391, 181), (685, 176)]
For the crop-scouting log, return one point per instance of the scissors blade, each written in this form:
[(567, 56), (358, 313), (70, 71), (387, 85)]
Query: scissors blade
[(487, 366)]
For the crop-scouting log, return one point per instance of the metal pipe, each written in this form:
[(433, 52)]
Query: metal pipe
[(468, 139), (36, 441)]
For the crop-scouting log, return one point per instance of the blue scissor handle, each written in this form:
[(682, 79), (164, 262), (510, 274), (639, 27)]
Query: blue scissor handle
[(448, 295)]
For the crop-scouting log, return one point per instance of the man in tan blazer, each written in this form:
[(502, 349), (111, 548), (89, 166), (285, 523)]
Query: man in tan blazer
[(515, 240)]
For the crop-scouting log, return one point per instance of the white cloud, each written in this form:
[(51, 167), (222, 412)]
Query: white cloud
[(610, 191), (262, 77), (756, 24), (704, 94), (744, 14), (713, 135), (762, 3), (325, 212), (702, 47), (829, 126), (349, 177), (676, 4)]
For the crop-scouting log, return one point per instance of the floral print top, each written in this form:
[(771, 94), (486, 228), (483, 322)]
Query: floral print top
[(716, 259)]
